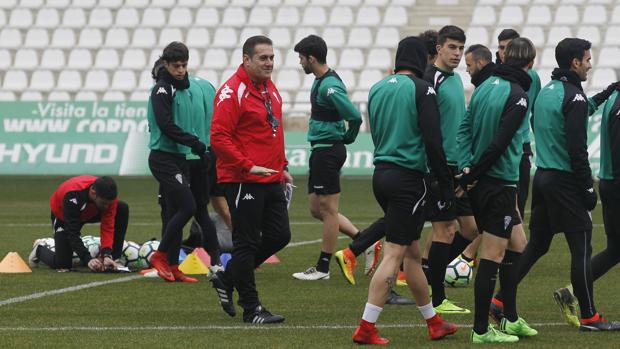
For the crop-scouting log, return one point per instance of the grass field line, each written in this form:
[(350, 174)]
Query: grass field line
[(233, 327)]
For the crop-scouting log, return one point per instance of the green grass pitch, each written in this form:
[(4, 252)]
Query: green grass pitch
[(150, 313)]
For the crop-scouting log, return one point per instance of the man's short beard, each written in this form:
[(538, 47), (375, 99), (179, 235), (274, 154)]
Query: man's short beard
[(307, 70)]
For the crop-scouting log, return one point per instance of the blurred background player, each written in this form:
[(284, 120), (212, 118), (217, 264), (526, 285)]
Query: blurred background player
[(248, 138), (447, 242), (403, 114), (328, 135), (78, 201), (171, 116), (490, 150)]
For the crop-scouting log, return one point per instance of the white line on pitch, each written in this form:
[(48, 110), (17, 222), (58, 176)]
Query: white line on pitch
[(234, 327)]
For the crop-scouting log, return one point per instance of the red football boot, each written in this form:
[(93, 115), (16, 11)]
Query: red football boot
[(367, 333), (179, 276), (159, 260), (438, 328)]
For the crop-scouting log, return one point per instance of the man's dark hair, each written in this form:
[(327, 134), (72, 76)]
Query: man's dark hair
[(508, 34), (430, 38), (250, 44), (314, 46), (480, 53), (569, 49), (450, 32), (105, 187), (519, 53), (175, 51)]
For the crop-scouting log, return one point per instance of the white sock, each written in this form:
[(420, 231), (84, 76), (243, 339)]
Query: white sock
[(427, 311), (371, 313)]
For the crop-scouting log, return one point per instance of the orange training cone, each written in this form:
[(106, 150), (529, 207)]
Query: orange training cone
[(273, 260), (13, 263)]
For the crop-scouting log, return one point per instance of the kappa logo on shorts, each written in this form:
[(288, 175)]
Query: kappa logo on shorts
[(179, 178), (579, 98), (522, 102), (248, 196), (507, 220)]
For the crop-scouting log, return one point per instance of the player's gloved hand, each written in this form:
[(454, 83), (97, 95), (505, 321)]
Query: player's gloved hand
[(108, 263), (199, 148), (95, 265), (590, 199), (446, 196), (602, 96)]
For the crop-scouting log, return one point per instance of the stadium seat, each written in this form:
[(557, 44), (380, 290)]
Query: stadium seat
[(124, 80), (483, 15), (226, 74), (8, 4), (127, 17), (557, 33), (379, 58), (73, 18), (510, 16), (47, 18), (96, 80), (7, 96), (534, 33), (566, 14), (34, 4), (281, 37), (137, 3), (163, 3), (545, 75), (134, 59), (547, 58), (295, 2), (53, 58), (139, 96), (2, 18), (198, 37), (359, 96), (143, 38), (314, 16), (234, 17), (20, 18), (6, 58), (248, 32), (351, 59), (37, 38), (288, 79), (146, 80), (539, 15), (323, 2), (86, 96), (368, 16), (395, 16), (84, 3), (154, 18), (387, 37), (26, 58), (334, 37), (369, 78), (80, 59), (242, 3), (341, 16), (216, 59), (270, 3), (224, 37), (90, 38), (403, 2), (194, 59), (168, 35), (517, 2), (106, 59), (42, 80), (59, 96), (602, 77), (287, 16), (210, 75), (113, 96), (113, 4), (360, 37), (574, 2), (308, 81), (350, 2), (301, 33), (615, 15), (611, 36), (591, 33), (117, 38), (260, 16), (207, 17), (594, 14), (235, 58), (216, 3), (544, 2), (348, 77), (291, 59), (190, 3), (31, 96), (331, 58), (61, 4), (15, 80), (609, 57), (477, 35), (100, 18)]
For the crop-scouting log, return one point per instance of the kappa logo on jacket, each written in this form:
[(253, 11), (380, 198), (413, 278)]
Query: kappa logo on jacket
[(224, 94), (430, 91), (161, 90), (74, 201), (522, 102), (330, 91), (248, 196), (579, 98), (392, 81)]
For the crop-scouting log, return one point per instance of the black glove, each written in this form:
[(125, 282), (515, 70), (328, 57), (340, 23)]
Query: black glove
[(199, 148), (602, 96), (465, 180), (590, 198), (348, 140), (446, 196)]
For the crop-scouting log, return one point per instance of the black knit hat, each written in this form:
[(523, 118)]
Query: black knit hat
[(412, 55)]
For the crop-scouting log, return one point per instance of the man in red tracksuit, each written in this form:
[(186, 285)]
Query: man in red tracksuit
[(81, 200), (248, 139)]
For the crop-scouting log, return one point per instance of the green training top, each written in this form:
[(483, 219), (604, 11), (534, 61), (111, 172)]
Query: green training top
[(532, 93)]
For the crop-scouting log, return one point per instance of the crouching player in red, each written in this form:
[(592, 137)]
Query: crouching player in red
[(81, 200), (404, 124)]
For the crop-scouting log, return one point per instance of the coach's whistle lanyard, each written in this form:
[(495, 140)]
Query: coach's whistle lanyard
[(273, 122)]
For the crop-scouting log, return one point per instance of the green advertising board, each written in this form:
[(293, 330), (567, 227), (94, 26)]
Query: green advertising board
[(70, 138)]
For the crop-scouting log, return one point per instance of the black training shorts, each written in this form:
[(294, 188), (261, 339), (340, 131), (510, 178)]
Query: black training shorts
[(325, 165), (170, 170), (494, 203), (461, 207)]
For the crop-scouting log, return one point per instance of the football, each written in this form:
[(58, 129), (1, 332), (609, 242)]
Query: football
[(130, 256), (458, 273), (147, 249)]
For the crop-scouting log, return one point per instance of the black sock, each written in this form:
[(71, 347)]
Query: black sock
[(322, 264), (459, 244), (508, 280), (368, 237), (426, 270), (483, 292), (437, 262), (467, 259), (356, 235)]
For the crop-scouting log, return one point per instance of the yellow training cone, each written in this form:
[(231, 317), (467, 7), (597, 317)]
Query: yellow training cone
[(13, 263), (193, 265)]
